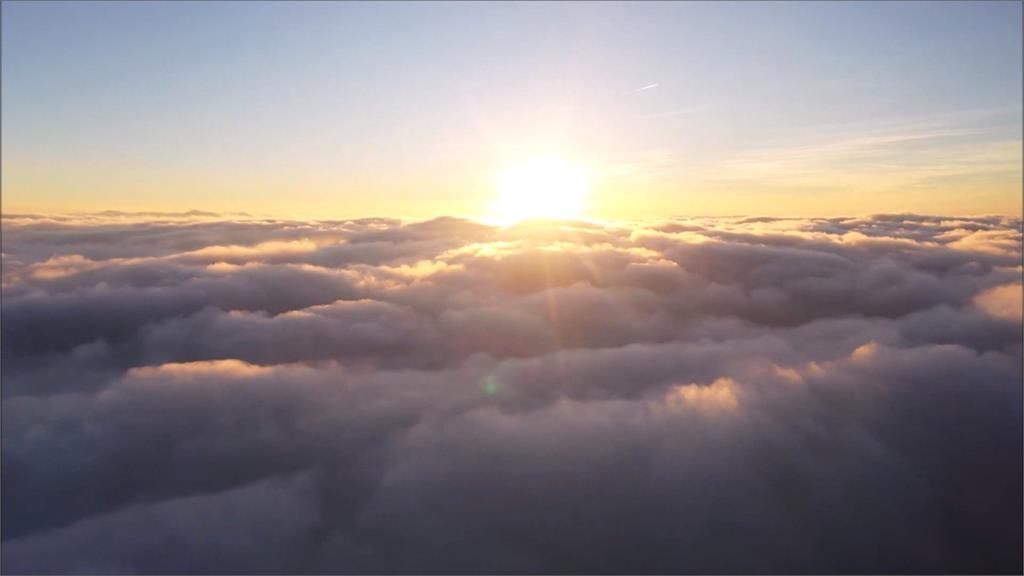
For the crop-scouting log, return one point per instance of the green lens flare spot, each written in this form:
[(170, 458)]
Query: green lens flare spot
[(490, 385)]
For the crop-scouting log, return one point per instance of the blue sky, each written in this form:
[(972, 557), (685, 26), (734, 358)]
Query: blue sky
[(385, 106)]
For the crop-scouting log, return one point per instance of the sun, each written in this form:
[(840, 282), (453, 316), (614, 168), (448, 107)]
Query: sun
[(542, 187)]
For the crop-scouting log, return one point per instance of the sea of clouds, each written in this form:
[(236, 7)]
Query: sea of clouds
[(203, 393)]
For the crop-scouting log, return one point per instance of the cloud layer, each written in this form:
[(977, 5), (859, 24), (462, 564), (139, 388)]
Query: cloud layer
[(199, 394)]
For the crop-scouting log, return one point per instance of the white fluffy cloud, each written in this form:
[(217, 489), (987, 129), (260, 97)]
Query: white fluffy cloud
[(695, 395)]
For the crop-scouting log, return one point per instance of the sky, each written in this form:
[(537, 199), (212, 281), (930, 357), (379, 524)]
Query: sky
[(409, 109)]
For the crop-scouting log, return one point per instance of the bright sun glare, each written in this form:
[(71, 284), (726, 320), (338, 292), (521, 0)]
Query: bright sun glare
[(539, 188)]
